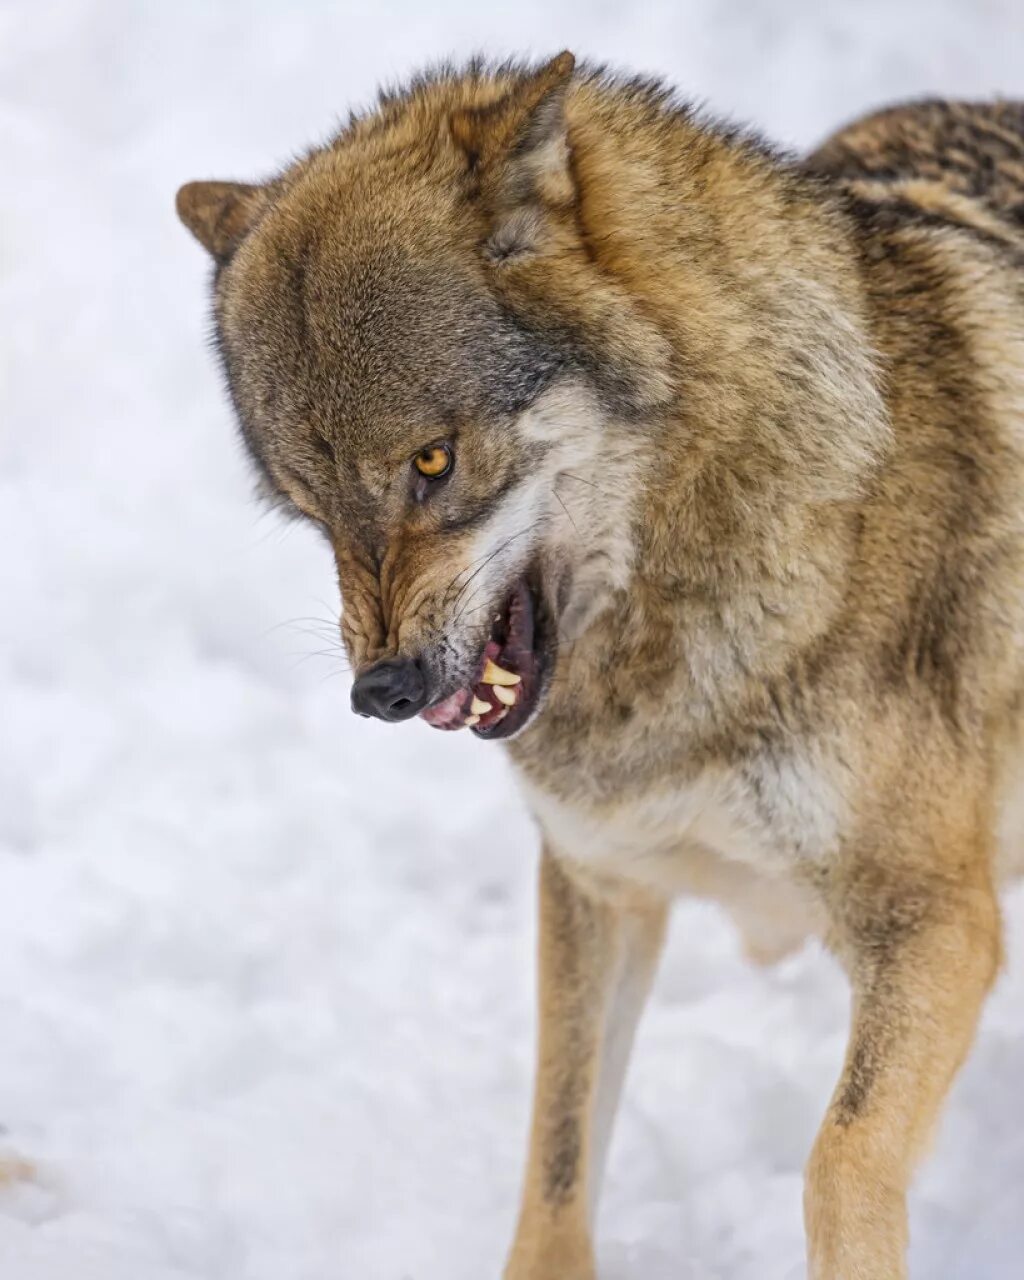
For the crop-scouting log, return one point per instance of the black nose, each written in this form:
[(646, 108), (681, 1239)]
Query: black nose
[(390, 690)]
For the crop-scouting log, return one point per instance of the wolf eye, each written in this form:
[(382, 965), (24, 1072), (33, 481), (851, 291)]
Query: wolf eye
[(434, 462)]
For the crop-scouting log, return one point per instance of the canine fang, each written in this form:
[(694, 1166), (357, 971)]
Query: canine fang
[(493, 674)]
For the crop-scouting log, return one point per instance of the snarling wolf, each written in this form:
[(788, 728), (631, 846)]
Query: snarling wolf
[(694, 473)]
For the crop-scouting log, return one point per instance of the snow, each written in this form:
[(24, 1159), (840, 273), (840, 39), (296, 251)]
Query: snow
[(266, 970)]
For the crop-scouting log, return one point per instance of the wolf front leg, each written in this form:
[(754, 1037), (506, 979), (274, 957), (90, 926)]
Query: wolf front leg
[(598, 949), (922, 948)]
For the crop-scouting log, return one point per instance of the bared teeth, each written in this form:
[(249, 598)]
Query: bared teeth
[(493, 674), (507, 696), (501, 715), (470, 721), (478, 707)]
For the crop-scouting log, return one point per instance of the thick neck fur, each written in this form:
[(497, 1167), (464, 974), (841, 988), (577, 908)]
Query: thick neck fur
[(745, 504)]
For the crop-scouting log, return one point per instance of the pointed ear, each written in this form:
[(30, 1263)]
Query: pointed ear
[(518, 148), (219, 214)]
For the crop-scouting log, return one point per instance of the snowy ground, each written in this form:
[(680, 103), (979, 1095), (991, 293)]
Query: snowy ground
[(265, 970)]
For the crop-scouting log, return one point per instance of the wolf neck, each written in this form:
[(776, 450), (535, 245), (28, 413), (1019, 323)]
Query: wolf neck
[(746, 511), (751, 271)]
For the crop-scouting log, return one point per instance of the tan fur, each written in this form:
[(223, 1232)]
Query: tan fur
[(757, 427), (597, 957)]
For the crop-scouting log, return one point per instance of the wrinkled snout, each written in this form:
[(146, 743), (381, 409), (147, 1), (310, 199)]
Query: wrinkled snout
[(394, 689)]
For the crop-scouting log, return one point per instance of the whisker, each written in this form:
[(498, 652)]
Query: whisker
[(480, 567), (342, 668), (529, 529), (566, 510), (579, 479)]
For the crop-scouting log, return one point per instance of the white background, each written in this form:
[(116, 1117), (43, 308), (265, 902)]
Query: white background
[(266, 969)]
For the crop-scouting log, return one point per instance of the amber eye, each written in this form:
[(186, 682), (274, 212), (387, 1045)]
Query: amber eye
[(434, 462)]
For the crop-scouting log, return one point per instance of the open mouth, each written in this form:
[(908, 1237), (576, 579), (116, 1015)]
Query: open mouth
[(507, 683)]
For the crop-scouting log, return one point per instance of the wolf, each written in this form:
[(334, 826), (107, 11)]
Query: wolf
[(692, 472)]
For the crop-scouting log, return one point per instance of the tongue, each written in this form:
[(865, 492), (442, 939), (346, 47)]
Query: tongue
[(449, 713)]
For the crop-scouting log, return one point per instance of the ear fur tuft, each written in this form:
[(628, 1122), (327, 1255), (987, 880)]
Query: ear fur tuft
[(517, 123), (219, 214), (518, 148)]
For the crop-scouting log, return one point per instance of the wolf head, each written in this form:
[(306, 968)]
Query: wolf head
[(427, 362), (528, 343)]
